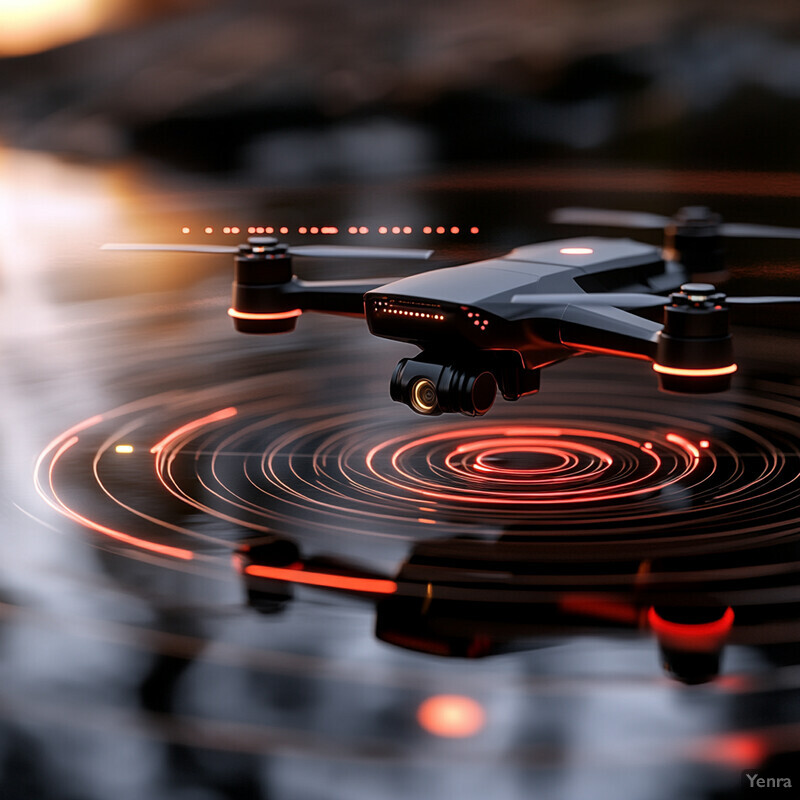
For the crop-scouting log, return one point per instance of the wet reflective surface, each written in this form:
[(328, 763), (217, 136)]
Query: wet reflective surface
[(233, 567)]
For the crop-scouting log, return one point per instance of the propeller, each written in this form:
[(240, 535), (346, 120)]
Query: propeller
[(257, 244), (630, 300), (691, 217)]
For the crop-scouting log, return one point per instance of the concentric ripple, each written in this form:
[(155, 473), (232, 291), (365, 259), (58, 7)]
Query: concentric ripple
[(594, 468)]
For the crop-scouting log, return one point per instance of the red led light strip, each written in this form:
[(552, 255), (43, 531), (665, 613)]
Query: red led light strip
[(295, 312), (695, 373)]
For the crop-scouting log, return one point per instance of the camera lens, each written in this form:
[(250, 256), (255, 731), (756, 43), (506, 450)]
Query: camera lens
[(423, 396)]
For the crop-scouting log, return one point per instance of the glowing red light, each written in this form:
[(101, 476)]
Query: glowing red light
[(260, 229), (454, 229), (696, 373), (383, 229), (704, 443), (314, 230), (251, 229), (451, 716), (427, 229), (473, 229), (396, 229), (440, 229), (407, 229), (352, 229), (684, 443), (329, 229), (698, 636), (284, 230), (345, 582), (295, 312), (269, 230), (363, 229), (302, 229)]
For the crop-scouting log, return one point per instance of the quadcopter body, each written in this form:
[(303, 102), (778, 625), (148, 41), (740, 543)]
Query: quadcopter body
[(495, 324)]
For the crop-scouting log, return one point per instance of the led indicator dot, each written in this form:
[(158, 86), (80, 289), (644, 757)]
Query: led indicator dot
[(396, 229), (440, 229), (209, 230), (427, 229), (451, 716), (352, 229), (269, 230), (302, 229), (474, 229), (284, 230), (455, 229), (314, 230), (185, 229), (407, 229), (226, 229), (576, 251), (383, 229), (123, 448), (251, 229), (363, 229), (648, 445), (234, 229), (704, 443)]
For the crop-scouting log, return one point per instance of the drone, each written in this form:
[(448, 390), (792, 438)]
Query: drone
[(495, 324)]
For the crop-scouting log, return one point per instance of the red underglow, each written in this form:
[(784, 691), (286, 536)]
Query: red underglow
[(596, 605), (451, 716), (223, 413), (589, 348), (683, 633), (295, 312), (347, 583), (736, 750), (696, 373)]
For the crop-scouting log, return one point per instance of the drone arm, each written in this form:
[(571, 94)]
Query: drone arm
[(605, 329), (332, 297)]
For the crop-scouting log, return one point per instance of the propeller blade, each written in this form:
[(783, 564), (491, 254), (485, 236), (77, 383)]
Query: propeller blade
[(600, 216), (611, 299), (742, 230), (346, 251), (174, 248), (746, 301)]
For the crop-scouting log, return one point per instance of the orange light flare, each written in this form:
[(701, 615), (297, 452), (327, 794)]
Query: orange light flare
[(31, 26), (451, 716)]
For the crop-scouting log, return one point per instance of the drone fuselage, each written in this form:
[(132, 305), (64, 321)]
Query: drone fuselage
[(470, 308)]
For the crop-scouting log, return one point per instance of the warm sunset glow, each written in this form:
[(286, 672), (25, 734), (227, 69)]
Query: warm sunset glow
[(30, 26), (451, 716)]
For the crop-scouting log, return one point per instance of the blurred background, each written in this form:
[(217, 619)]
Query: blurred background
[(198, 120)]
